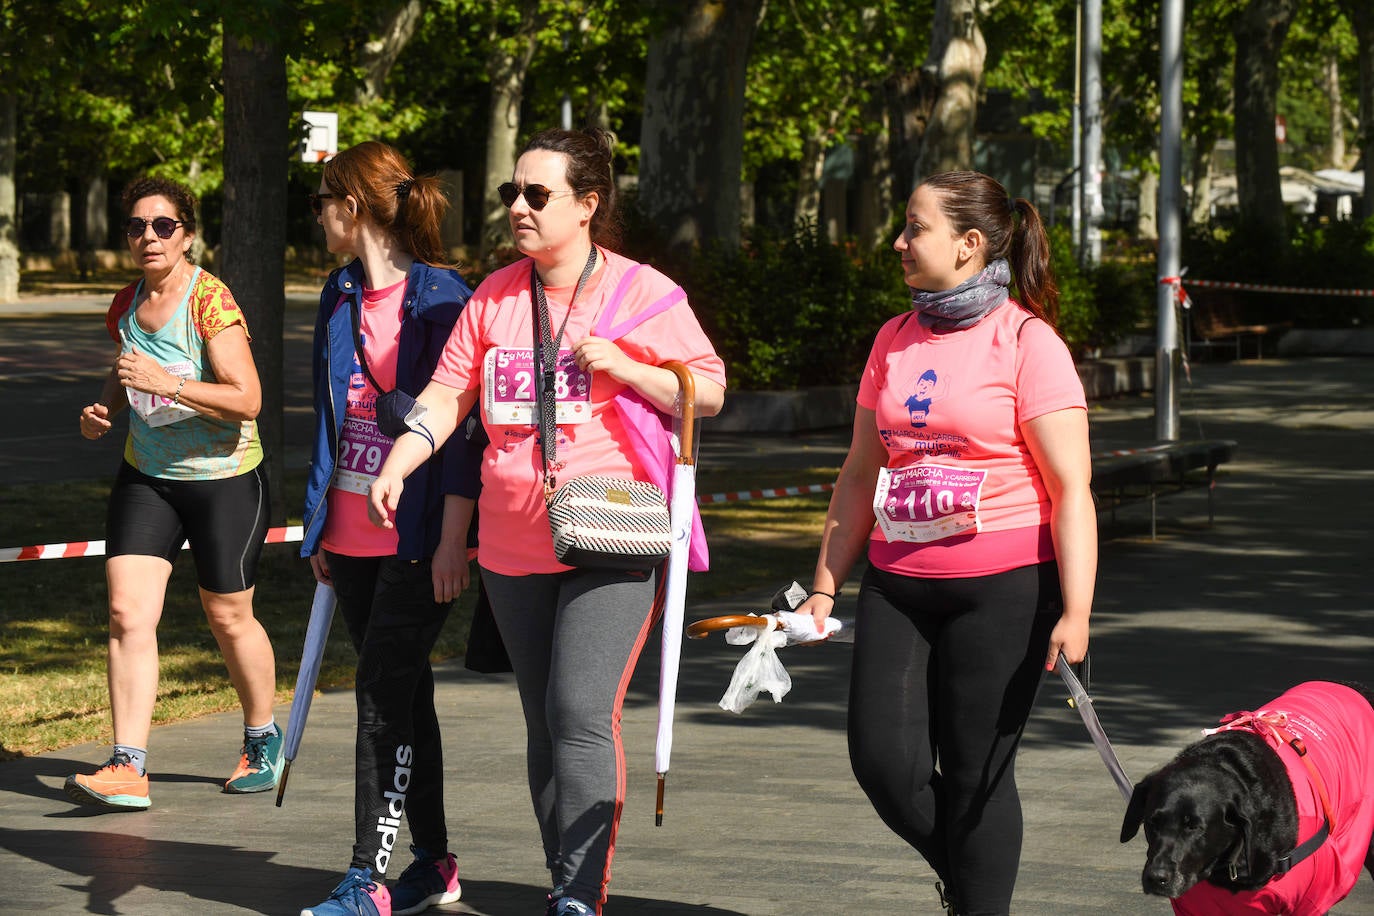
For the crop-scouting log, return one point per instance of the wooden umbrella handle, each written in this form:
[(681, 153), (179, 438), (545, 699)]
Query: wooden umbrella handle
[(688, 389), (698, 629)]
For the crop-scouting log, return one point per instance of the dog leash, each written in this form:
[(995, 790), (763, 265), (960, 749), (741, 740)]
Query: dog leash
[(1084, 704)]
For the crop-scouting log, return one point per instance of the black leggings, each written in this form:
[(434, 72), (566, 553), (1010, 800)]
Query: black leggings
[(388, 605), (945, 673)]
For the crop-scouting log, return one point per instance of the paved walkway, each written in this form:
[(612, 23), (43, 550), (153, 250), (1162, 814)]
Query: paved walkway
[(763, 816)]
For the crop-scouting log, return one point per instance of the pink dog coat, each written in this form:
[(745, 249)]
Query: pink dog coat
[(1336, 724)]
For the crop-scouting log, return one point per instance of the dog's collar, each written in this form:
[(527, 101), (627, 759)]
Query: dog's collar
[(1238, 854), (1273, 727), (1304, 849)]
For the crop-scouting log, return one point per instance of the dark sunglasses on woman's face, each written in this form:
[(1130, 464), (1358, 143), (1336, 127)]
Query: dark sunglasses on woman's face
[(536, 195), (317, 202), (164, 226)]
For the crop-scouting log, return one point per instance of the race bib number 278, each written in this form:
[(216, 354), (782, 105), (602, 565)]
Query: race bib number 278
[(508, 388)]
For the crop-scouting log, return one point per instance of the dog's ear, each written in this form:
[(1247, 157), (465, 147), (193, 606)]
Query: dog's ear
[(1135, 809), (1236, 818)]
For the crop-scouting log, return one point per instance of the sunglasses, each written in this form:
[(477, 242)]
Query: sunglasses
[(317, 202), (164, 226), (536, 195)]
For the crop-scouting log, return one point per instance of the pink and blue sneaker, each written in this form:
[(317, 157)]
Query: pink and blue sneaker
[(428, 881), (356, 895)]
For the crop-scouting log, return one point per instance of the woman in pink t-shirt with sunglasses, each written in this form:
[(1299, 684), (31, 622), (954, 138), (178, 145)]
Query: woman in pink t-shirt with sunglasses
[(967, 482), (573, 634)]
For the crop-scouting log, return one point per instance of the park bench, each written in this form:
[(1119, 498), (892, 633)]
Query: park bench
[(1216, 321), (1149, 472)]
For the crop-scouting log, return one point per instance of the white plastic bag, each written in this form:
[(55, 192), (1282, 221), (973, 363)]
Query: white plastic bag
[(758, 671)]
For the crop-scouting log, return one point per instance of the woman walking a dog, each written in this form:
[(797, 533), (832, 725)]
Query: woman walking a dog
[(982, 548)]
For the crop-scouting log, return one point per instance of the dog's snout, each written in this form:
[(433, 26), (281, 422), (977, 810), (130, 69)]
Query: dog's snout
[(1155, 880)]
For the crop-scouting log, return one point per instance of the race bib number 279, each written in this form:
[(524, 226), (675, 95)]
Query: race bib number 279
[(927, 502)]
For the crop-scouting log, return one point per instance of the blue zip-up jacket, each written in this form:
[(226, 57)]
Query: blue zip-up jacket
[(434, 298)]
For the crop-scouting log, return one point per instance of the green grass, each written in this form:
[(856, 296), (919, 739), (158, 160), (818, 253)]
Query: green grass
[(53, 631)]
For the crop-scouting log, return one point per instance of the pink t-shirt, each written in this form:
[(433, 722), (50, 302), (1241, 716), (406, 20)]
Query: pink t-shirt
[(362, 447), (1336, 725), (949, 406), (513, 534)]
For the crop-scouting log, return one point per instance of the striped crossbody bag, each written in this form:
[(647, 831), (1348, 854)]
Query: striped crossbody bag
[(597, 521)]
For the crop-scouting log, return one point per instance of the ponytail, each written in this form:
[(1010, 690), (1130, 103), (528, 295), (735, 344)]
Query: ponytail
[(420, 209), (411, 208), (1030, 263), (972, 200)]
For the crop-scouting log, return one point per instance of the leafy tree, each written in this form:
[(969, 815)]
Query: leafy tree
[(257, 142), (97, 93), (849, 47), (1361, 18), (1259, 30), (953, 73), (9, 237), (692, 140)]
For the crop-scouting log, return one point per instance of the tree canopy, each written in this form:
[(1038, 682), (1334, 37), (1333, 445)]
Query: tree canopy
[(114, 88)]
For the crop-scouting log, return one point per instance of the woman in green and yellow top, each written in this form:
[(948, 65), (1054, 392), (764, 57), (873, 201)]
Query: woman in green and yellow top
[(190, 473)]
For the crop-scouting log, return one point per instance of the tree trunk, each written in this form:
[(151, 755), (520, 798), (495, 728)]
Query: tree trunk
[(692, 138), (9, 202), (257, 145), (908, 110), (507, 72), (508, 60), (83, 241), (954, 67), (1336, 112), (876, 203), (1147, 202), (808, 200), (1362, 18), (1200, 206), (379, 55), (1259, 31)]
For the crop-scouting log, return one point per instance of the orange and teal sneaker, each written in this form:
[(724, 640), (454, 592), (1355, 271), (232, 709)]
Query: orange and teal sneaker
[(259, 765), (116, 785)]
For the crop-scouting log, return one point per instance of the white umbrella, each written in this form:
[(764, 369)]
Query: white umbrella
[(681, 506), (316, 634)]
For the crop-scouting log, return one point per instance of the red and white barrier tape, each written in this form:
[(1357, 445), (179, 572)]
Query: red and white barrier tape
[(746, 495), (287, 535), (293, 533), (1266, 288)]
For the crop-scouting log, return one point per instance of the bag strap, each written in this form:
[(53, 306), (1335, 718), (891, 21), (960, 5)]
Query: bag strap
[(604, 326), (546, 365), (358, 345)]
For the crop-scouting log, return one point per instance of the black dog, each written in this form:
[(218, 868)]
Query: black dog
[(1225, 828)]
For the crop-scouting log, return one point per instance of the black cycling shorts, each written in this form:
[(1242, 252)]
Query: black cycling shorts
[(225, 520)]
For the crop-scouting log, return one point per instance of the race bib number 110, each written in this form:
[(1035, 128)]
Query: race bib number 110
[(927, 502)]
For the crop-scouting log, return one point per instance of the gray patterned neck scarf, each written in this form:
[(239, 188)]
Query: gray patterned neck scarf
[(966, 304)]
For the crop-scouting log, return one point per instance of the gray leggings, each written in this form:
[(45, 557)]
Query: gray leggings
[(574, 639)]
